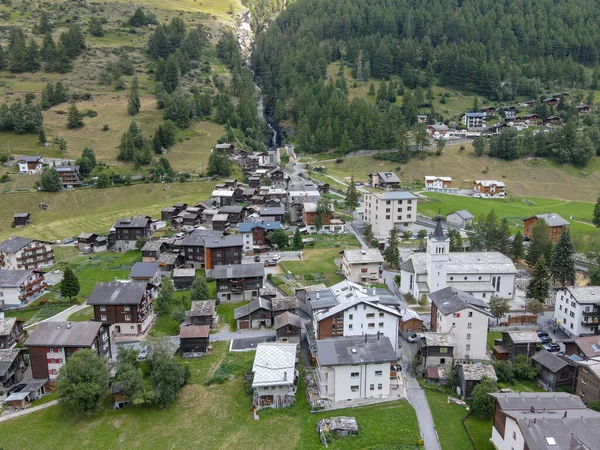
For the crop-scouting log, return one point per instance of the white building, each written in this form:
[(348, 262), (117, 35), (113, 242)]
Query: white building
[(479, 273), (474, 120), (466, 317), (25, 253), (439, 184), (577, 309), (387, 210), (355, 368), (19, 287), (362, 266), (489, 188), (275, 375), (30, 164)]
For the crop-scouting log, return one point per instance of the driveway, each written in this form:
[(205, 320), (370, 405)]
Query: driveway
[(240, 334)]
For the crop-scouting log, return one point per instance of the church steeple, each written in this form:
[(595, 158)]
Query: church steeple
[(438, 254)]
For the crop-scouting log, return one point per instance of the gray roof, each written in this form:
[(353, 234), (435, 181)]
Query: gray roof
[(439, 339), (464, 263), (524, 401), (29, 158), (254, 305), (550, 361), (117, 293), (21, 215), (287, 318), (152, 246), (14, 244), (143, 270), (231, 209), (220, 218), (274, 364), (272, 211), (365, 349), (238, 271), (450, 300), (197, 237), (86, 235), (284, 303), (203, 308), (395, 195), (227, 241), (552, 219), (134, 222), (388, 177), (463, 214), (476, 372), (523, 337), (585, 294), (7, 357), (64, 334), (438, 232), (168, 259), (184, 273), (370, 255), (13, 278), (6, 324)]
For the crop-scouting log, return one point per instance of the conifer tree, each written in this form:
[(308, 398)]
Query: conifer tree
[(69, 286), (540, 244), (562, 267), (596, 218), (517, 246), (352, 196), (297, 243), (75, 118), (392, 254), (539, 285), (133, 107)]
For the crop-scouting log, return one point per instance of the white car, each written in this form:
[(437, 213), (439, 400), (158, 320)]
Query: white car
[(413, 338), (143, 354), (276, 257), (477, 195)]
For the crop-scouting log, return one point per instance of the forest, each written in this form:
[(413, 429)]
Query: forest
[(500, 50)]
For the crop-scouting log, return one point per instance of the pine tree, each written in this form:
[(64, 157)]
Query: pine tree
[(539, 285), (392, 254), (75, 118), (562, 267), (517, 246), (42, 136), (69, 286), (504, 244), (456, 242), (95, 27), (44, 25), (352, 196), (596, 218), (297, 243), (133, 107), (540, 244), (200, 289), (479, 145)]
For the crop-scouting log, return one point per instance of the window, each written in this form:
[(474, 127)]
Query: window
[(354, 388), (103, 318), (443, 349), (350, 316), (469, 325), (127, 317), (378, 373), (380, 324), (381, 314), (470, 314), (387, 210), (370, 315), (364, 269), (371, 387), (456, 315), (387, 217), (514, 434), (442, 360), (571, 326), (350, 326), (371, 325), (468, 347), (127, 308), (354, 375), (103, 308), (468, 335), (53, 371), (50, 360), (399, 209), (379, 386)]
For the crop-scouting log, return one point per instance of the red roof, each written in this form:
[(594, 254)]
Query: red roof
[(194, 331)]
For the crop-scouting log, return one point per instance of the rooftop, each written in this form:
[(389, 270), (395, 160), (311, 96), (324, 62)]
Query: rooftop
[(7, 357), (525, 401), (152, 246), (464, 214), (274, 364), (476, 372), (370, 255), (227, 241), (552, 219), (490, 183), (6, 324), (117, 293), (143, 270), (222, 193), (13, 278), (439, 339), (272, 211), (589, 345), (25, 158), (194, 331), (134, 222), (238, 271), (550, 361), (64, 334), (394, 195), (464, 263), (184, 273), (220, 218), (14, 244), (246, 227), (451, 300), (349, 350), (523, 337), (585, 294), (387, 177), (254, 305), (284, 303), (409, 314), (287, 318), (203, 308)]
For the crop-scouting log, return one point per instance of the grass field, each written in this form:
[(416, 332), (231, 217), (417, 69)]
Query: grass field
[(447, 419), (83, 315), (225, 311), (480, 431), (92, 210), (224, 412), (317, 261), (32, 315)]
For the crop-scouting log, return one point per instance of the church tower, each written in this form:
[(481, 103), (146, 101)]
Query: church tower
[(438, 254)]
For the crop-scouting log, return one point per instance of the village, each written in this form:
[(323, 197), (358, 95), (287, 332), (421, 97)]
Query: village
[(401, 308)]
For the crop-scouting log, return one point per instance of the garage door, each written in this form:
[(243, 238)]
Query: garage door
[(244, 324)]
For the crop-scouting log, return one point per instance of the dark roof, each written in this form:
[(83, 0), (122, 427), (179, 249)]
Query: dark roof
[(284, 303), (272, 211), (450, 300), (143, 270), (64, 334), (287, 318), (152, 246), (354, 350), (227, 241), (21, 215), (231, 209), (254, 305), (550, 361), (203, 308), (194, 331), (246, 227), (134, 222), (7, 357), (197, 237), (29, 158), (438, 233), (117, 293), (524, 401), (238, 271), (13, 278), (14, 244)]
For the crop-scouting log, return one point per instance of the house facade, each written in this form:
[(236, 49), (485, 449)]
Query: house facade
[(554, 371), (52, 343), (489, 188), (577, 309), (556, 225), (437, 350), (275, 376), (222, 251), (30, 165), (470, 375), (288, 327), (439, 184), (255, 235), (362, 266), (462, 219), (194, 340), (69, 176), (25, 253), (587, 383), (125, 307), (12, 367), (256, 314), (19, 287), (126, 232), (237, 282), (11, 331), (21, 219), (387, 210), (474, 120)]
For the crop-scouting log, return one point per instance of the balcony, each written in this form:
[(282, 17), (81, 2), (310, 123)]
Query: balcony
[(591, 314), (590, 323)]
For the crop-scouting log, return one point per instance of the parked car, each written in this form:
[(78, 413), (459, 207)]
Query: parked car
[(276, 257), (270, 263), (257, 259), (553, 347), (477, 195), (142, 354), (413, 338), (542, 334), (546, 340)]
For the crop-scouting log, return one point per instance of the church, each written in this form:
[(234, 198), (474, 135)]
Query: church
[(481, 274)]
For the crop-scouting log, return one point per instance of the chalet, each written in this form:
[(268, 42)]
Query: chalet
[(152, 250), (436, 349), (439, 184), (362, 266), (410, 322), (208, 214), (223, 197), (91, 243), (167, 262), (532, 119), (275, 214), (474, 121), (288, 327), (235, 214), (552, 121), (30, 165), (556, 225), (255, 235), (273, 202), (277, 174), (282, 305), (236, 282), (146, 272), (226, 148), (50, 344), (488, 110), (273, 193), (12, 367), (551, 101), (510, 112), (529, 103), (250, 164), (583, 109), (310, 214), (256, 314), (124, 306), (248, 193), (303, 189), (587, 383), (516, 343), (543, 420), (126, 232), (489, 188), (323, 187), (254, 181), (274, 375), (25, 253), (193, 247), (554, 372), (203, 312), (21, 219), (69, 176), (355, 368), (421, 118), (190, 218), (167, 213), (462, 219), (194, 340), (470, 375), (20, 287), (184, 278), (222, 251), (11, 331), (438, 130), (384, 180)]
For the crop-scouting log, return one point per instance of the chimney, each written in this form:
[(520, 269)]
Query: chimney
[(318, 295), (365, 338), (565, 416)]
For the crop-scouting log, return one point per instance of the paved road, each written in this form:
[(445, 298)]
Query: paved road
[(63, 315), (229, 335), (27, 411)]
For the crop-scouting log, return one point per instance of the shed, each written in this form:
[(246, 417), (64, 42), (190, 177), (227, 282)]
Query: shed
[(194, 340), (554, 371), (184, 278), (470, 375), (22, 219), (288, 327)]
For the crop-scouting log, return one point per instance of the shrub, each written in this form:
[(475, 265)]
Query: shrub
[(483, 404), (504, 371), (523, 368), (105, 127)]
